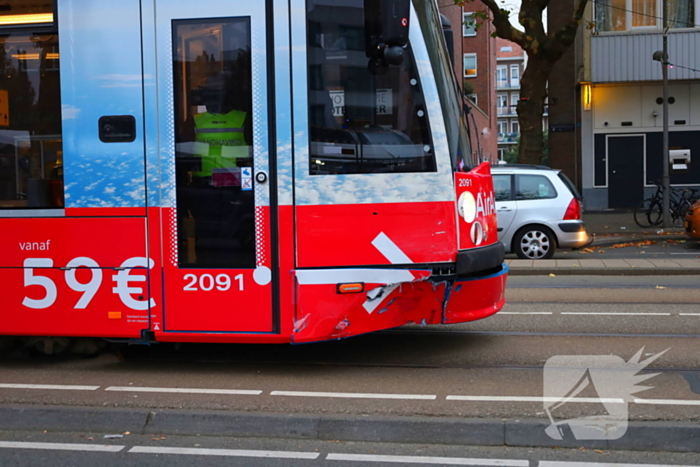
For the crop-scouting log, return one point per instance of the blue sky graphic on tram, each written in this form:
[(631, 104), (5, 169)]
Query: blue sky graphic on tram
[(101, 75)]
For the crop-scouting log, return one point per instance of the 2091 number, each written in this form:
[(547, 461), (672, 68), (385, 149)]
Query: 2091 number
[(207, 282)]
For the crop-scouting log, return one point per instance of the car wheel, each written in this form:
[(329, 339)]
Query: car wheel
[(535, 243)]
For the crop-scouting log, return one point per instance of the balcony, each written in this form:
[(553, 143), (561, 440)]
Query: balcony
[(507, 85), (627, 57), (508, 138), (507, 111)]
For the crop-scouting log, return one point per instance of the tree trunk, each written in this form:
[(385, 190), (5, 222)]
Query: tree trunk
[(533, 94)]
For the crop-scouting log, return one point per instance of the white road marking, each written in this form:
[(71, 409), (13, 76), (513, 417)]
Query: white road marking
[(60, 446), (344, 395), (239, 392), (427, 460), (601, 464), (588, 400), (223, 452), (390, 250), (354, 395), (613, 314), (524, 313), (666, 402), (689, 314), (65, 387)]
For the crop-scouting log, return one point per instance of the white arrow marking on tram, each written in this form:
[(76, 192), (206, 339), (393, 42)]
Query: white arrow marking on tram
[(393, 253), (390, 250)]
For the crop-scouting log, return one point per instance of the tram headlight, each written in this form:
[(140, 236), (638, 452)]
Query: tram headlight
[(467, 207)]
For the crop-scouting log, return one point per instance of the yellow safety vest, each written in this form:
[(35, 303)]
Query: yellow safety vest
[(224, 135)]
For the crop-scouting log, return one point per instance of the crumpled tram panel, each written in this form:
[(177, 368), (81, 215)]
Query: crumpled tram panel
[(324, 314)]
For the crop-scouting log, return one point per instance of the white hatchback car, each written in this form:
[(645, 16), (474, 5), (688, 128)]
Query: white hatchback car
[(538, 211)]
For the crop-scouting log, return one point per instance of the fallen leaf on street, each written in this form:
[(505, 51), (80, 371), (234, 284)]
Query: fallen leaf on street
[(660, 287), (639, 243), (552, 275)]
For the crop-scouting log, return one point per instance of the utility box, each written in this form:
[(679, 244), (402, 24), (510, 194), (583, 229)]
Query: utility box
[(679, 159)]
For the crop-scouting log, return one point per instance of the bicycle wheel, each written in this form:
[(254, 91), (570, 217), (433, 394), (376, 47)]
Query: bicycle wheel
[(679, 211), (648, 213)]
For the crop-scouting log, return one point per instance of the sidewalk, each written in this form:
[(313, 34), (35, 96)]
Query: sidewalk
[(610, 228), (617, 222)]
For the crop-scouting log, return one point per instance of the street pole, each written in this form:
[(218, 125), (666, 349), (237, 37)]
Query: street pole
[(666, 180)]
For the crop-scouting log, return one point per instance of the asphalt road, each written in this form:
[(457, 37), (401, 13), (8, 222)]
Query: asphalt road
[(492, 368), (70, 449)]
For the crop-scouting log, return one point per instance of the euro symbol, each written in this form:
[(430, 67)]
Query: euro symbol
[(124, 278)]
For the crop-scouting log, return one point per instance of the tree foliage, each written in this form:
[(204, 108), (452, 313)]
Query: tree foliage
[(544, 49)]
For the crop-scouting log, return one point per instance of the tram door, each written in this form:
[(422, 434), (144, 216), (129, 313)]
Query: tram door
[(213, 125)]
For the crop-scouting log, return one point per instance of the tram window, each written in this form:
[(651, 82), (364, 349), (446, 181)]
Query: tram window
[(31, 147), (213, 136), (362, 119)]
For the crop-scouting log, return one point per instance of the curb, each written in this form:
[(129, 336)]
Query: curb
[(579, 271), (644, 436)]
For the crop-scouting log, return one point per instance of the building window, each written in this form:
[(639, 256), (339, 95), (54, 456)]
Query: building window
[(468, 25), (31, 149), (515, 127), (626, 15), (502, 104), (474, 98), (514, 99), (502, 127), (644, 13), (515, 76), (501, 76), (470, 65)]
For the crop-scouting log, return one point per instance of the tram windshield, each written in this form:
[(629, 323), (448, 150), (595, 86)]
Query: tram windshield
[(450, 94), (369, 116), (365, 116)]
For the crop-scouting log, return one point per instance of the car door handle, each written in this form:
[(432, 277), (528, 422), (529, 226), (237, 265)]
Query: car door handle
[(505, 210)]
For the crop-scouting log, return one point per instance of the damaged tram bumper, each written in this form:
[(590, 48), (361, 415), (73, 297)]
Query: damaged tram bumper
[(470, 289)]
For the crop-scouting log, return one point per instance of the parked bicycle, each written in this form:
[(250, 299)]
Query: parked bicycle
[(649, 213)]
